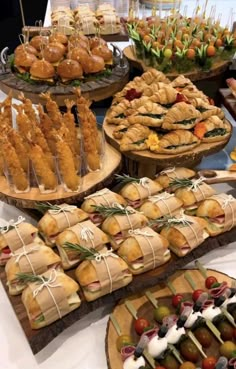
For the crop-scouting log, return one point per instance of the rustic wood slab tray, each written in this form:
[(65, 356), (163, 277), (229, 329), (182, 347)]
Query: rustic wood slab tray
[(195, 75), (91, 182), (38, 339), (145, 309), (146, 163)]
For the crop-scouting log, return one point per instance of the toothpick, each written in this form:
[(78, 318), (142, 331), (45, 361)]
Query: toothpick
[(152, 299), (196, 343), (190, 280), (115, 324), (201, 268), (171, 287), (130, 307), (214, 330)]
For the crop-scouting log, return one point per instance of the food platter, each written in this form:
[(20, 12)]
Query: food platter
[(91, 182), (38, 339), (194, 75), (145, 309), (137, 160)]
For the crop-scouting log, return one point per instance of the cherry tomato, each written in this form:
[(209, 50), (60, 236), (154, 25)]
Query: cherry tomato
[(189, 351), (209, 362), (226, 330), (176, 299), (140, 324), (204, 336), (122, 341), (187, 365), (210, 281), (196, 294)]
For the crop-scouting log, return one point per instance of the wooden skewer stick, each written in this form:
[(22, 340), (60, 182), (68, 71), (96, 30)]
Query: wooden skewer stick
[(196, 343), (189, 279), (152, 299), (214, 330), (115, 324), (171, 287), (175, 353), (201, 268)]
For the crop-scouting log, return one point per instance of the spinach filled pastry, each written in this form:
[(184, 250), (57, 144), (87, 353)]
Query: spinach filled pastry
[(206, 109), (213, 129), (178, 141), (166, 96), (150, 114), (181, 116), (181, 81), (134, 138), (166, 176)]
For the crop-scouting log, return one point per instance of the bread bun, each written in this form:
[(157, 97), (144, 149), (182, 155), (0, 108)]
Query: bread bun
[(58, 37), (96, 41), (39, 42), (210, 208), (24, 60), (69, 69), (95, 64), (26, 48), (80, 55), (53, 52), (42, 69), (178, 172), (103, 52)]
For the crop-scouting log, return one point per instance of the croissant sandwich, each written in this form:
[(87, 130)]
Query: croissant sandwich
[(150, 114), (206, 109), (41, 308), (57, 219), (166, 96), (181, 81), (104, 197), (178, 141), (98, 278), (135, 138), (167, 175), (144, 250), (181, 116), (85, 234), (160, 205), (220, 213), (31, 259), (213, 129)]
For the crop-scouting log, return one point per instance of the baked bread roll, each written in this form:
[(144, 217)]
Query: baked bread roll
[(136, 192), (167, 175), (220, 213), (85, 234), (181, 81), (166, 96), (213, 129), (161, 204), (117, 113), (181, 116), (144, 250), (41, 309), (153, 88), (191, 92), (150, 114), (134, 138), (31, 259), (98, 278), (206, 109), (153, 75), (120, 130), (178, 141), (184, 236), (11, 239), (55, 221), (104, 197)]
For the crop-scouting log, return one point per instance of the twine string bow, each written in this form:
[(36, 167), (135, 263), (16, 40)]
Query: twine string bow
[(196, 184), (63, 209), (103, 256)]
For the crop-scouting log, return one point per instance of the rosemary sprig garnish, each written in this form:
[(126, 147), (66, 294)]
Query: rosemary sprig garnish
[(169, 221), (179, 183), (126, 178), (29, 278), (43, 207), (85, 253), (114, 210)]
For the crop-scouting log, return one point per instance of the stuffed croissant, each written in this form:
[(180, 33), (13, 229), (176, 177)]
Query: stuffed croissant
[(167, 175), (213, 129), (220, 213), (31, 259), (178, 141), (160, 205), (181, 116), (102, 275), (57, 219), (144, 250), (85, 234), (41, 308)]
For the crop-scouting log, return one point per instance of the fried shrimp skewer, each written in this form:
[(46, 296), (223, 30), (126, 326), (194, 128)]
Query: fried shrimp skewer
[(23, 122), (53, 110), (21, 150), (28, 108), (69, 121), (6, 110), (46, 126)]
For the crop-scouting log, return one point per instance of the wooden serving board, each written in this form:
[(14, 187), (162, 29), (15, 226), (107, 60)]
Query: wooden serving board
[(91, 182), (38, 339), (217, 176), (195, 75), (146, 163), (145, 309)]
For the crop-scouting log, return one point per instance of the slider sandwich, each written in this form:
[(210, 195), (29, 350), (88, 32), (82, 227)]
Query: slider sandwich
[(57, 219), (219, 211), (42, 70), (184, 233), (104, 197), (160, 205), (41, 308), (102, 274), (85, 234), (31, 259), (15, 235), (144, 250), (166, 176), (119, 220)]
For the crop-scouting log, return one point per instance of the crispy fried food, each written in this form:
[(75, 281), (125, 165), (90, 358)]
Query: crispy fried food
[(42, 169), (6, 110), (28, 108), (23, 122), (53, 110), (40, 140), (21, 150), (46, 126), (66, 165), (69, 121)]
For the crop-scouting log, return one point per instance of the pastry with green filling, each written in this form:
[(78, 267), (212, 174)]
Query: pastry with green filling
[(181, 116), (178, 141), (150, 114)]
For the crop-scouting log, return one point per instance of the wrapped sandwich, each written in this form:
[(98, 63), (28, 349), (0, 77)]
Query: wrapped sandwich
[(119, 220), (144, 250), (85, 234), (49, 297), (104, 197), (31, 259), (160, 205), (184, 233), (103, 273), (136, 190), (15, 235), (167, 175), (219, 211), (57, 219)]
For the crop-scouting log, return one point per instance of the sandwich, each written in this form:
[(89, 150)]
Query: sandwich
[(42, 70), (135, 138), (39, 42), (150, 114), (85, 234), (119, 221), (181, 116), (167, 175), (12, 239), (161, 205), (206, 109), (178, 141), (54, 52), (57, 219), (101, 277), (31, 259), (144, 250), (213, 129), (219, 211), (104, 197), (184, 233), (69, 70), (41, 308), (137, 190), (23, 61)]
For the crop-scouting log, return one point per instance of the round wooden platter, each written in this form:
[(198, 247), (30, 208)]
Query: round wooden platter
[(195, 75), (145, 309), (96, 90), (91, 182), (146, 163)]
